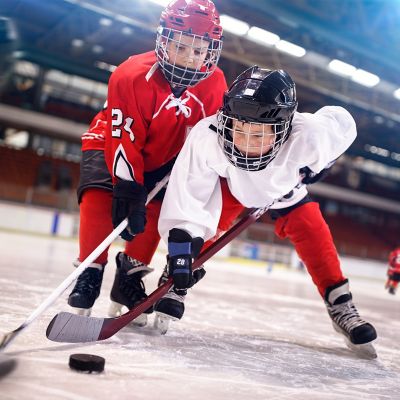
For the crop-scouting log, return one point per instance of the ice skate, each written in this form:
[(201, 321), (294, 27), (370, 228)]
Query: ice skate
[(169, 308), (128, 288), (358, 333), (391, 286), (87, 289)]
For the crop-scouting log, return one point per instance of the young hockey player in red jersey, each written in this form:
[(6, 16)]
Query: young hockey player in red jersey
[(393, 272), (263, 148), (154, 99)]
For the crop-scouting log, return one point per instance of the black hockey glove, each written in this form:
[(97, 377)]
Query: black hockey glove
[(310, 177), (129, 201), (182, 248)]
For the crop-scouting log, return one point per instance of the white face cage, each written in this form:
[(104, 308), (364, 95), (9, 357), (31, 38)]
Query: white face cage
[(250, 146), (182, 70)]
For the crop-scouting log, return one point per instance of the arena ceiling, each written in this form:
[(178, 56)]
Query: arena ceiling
[(79, 36)]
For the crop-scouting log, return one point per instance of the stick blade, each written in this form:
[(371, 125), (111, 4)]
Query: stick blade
[(6, 339), (66, 327), (10, 336)]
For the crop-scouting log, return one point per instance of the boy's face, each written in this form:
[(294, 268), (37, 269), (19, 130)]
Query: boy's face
[(187, 51), (252, 139)]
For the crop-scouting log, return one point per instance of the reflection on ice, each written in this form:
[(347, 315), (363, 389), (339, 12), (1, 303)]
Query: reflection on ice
[(245, 334)]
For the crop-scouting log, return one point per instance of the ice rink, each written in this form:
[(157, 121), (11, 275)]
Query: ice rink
[(247, 334)]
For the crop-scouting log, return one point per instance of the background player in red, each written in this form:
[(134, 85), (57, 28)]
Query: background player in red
[(263, 148), (393, 272), (153, 101)]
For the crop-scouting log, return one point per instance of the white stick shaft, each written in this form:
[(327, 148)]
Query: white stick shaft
[(74, 275), (89, 260)]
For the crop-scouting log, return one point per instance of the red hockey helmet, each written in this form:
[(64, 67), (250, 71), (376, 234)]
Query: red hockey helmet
[(189, 26), (199, 17)]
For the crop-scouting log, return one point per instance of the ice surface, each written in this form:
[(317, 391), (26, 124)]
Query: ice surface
[(246, 334)]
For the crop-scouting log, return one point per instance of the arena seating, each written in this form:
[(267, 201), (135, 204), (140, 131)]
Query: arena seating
[(21, 180)]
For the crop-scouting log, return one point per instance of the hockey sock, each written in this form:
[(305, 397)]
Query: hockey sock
[(306, 228), (95, 222)]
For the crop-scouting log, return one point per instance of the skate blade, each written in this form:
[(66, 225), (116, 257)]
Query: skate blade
[(365, 350), (115, 309), (162, 321), (140, 321), (85, 312)]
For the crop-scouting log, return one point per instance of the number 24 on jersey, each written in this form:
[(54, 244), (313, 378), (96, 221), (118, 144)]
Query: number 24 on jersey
[(117, 121)]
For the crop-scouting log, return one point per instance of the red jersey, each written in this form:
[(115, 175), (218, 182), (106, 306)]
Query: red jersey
[(94, 138), (146, 124), (394, 261)]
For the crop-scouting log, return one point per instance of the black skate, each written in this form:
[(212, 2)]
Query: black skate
[(87, 289), (128, 288), (345, 318), (170, 307)]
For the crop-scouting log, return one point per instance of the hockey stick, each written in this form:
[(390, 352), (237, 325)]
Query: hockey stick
[(73, 328), (8, 337)]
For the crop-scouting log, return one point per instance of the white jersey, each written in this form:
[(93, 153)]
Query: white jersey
[(193, 199)]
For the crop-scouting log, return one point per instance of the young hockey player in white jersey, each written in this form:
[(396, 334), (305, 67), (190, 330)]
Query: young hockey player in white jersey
[(263, 148)]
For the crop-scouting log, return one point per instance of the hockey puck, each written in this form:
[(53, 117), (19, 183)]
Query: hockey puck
[(7, 365), (86, 362)]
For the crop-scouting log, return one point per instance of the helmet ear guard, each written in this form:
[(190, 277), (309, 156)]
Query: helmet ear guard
[(258, 97)]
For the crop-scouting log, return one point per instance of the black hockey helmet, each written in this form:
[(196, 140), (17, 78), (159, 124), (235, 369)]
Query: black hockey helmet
[(257, 97)]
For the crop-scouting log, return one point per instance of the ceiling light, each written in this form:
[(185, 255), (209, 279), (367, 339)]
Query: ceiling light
[(341, 68), (365, 78), (105, 22), (105, 66), (97, 49), (396, 94), (262, 36), (379, 119), (126, 30), (234, 25), (77, 42), (290, 48)]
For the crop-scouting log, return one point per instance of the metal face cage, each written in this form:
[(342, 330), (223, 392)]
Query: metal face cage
[(250, 146), (180, 74)]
